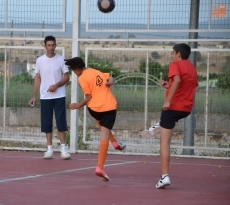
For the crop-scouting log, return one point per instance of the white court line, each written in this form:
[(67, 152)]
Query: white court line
[(182, 163), (62, 172), (175, 163), (108, 160)]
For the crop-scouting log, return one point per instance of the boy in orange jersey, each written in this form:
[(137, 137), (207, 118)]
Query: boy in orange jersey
[(178, 103), (101, 104)]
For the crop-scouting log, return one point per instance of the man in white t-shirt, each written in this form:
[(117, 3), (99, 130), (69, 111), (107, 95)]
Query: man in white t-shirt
[(51, 76)]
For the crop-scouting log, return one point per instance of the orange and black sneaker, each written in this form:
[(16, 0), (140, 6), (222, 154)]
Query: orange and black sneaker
[(101, 173)]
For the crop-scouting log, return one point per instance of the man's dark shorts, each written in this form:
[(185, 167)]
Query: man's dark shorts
[(59, 107), (106, 119), (170, 117)]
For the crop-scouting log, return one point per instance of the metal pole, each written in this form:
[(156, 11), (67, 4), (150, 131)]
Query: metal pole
[(146, 89), (149, 14), (210, 14), (6, 13), (43, 26), (74, 85), (206, 102), (4, 95), (24, 38), (190, 121)]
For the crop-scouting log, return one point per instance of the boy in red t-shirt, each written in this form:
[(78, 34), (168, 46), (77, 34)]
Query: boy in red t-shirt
[(179, 99), (101, 104)]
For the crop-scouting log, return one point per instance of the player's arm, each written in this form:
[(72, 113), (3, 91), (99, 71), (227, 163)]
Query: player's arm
[(172, 91), (110, 80), (84, 102), (37, 82), (164, 84), (62, 82)]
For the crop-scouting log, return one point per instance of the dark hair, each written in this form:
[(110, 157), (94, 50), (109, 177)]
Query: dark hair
[(75, 63), (184, 50), (49, 38)]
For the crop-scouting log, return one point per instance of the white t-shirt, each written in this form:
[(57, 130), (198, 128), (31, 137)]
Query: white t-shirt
[(51, 71)]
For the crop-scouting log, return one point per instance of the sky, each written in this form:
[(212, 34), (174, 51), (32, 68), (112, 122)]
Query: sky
[(162, 11), (69, 12), (126, 11)]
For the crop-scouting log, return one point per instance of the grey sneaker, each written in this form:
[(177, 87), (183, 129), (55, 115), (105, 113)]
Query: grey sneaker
[(48, 155), (163, 182)]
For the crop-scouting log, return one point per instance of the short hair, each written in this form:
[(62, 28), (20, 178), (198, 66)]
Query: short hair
[(75, 63), (49, 38), (184, 50)]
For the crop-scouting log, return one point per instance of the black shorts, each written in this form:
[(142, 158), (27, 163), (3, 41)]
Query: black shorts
[(106, 119), (47, 107), (170, 117)]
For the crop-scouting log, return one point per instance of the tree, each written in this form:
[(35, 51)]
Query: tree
[(102, 65), (155, 55), (226, 66), (198, 56), (131, 35), (105, 68), (155, 68), (2, 56), (22, 78), (223, 80)]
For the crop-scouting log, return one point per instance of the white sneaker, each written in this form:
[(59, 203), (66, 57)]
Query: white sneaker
[(163, 182), (154, 127), (150, 132), (48, 155), (65, 153)]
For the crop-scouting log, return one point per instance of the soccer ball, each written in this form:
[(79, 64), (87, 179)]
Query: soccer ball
[(106, 6)]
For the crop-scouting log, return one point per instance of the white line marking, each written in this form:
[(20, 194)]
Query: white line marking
[(62, 172), (178, 163), (108, 160)]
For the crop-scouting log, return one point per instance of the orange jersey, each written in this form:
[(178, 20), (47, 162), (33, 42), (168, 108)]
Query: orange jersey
[(92, 82)]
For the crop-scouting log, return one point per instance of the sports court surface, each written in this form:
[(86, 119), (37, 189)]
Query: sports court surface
[(27, 179)]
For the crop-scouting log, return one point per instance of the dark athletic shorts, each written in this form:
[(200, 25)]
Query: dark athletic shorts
[(47, 107), (170, 117), (106, 119)]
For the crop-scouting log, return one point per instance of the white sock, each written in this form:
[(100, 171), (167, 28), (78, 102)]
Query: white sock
[(164, 175), (62, 147), (50, 148)]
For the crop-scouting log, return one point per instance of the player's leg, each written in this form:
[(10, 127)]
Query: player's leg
[(165, 139), (167, 123), (49, 138), (107, 120), (102, 153), (49, 153), (47, 125), (60, 116), (112, 139)]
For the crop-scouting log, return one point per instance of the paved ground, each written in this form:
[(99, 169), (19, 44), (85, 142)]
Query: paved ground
[(26, 178)]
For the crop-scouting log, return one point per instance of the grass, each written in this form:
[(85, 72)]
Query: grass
[(129, 98)]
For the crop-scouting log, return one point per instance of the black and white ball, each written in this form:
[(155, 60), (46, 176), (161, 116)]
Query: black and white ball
[(106, 6)]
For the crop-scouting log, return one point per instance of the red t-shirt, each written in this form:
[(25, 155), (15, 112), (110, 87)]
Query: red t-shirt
[(183, 98)]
